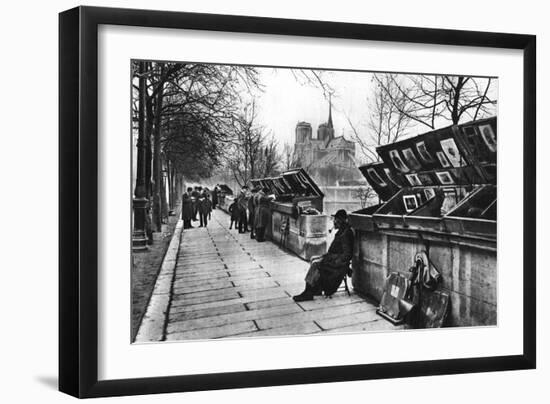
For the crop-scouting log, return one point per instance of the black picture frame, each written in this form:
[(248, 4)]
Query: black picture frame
[(78, 207)]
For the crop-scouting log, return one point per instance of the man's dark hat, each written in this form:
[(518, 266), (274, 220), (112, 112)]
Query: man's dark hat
[(341, 214)]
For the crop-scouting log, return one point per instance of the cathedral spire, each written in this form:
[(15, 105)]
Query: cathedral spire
[(330, 111)]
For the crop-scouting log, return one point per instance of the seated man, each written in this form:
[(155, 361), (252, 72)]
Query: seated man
[(327, 271)]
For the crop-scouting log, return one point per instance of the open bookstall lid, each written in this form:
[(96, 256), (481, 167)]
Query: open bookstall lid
[(381, 179), (464, 154), (301, 183), (293, 182), (225, 188), (266, 183)]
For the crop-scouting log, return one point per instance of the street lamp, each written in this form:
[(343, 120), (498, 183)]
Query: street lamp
[(139, 203)]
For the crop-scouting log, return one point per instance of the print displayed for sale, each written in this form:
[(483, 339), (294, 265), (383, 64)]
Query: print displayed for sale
[(284, 201)]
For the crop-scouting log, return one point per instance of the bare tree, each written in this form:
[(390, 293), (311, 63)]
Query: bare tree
[(288, 156), (386, 121), (365, 194), (244, 153), (401, 103), (269, 158), (315, 78), (190, 110), (252, 153), (430, 100)]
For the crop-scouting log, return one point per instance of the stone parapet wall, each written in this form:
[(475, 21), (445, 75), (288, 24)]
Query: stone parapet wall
[(469, 273)]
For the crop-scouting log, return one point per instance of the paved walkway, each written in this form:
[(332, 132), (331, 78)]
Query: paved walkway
[(228, 285)]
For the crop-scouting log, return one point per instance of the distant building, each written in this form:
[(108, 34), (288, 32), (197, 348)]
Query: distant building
[(328, 159)]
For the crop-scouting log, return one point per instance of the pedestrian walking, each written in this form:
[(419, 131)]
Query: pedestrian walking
[(195, 199), (242, 201), (207, 194), (205, 207), (262, 218), (252, 212), (215, 197), (235, 214), (187, 209)]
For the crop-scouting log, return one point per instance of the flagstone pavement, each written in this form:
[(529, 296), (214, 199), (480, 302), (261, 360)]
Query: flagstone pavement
[(228, 285)]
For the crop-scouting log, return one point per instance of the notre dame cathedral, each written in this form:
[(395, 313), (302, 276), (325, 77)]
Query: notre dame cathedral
[(329, 159)]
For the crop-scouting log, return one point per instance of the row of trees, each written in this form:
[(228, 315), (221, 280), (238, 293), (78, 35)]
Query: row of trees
[(252, 152), (189, 119)]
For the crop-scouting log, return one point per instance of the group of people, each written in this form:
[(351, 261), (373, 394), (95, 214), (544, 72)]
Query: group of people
[(250, 212), (198, 201)]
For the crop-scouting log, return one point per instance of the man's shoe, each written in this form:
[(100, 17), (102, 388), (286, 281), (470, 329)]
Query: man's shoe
[(303, 297)]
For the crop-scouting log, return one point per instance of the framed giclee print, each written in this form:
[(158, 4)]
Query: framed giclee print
[(216, 230)]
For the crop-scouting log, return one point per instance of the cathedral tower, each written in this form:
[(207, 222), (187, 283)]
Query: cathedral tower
[(325, 132), (303, 132)]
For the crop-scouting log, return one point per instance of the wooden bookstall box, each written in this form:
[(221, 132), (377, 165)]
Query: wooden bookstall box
[(438, 193), (293, 226)]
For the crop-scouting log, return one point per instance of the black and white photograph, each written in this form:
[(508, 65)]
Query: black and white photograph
[(442, 159), (398, 162), (275, 201), (251, 215), (375, 177), (411, 204), (488, 137), (452, 153), (413, 180), (411, 159), (445, 178), (429, 193), (421, 148)]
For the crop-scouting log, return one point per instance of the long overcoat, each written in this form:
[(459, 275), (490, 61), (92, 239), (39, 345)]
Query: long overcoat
[(263, 216), (204, 205), (336, 261), (251, 210), (214, 197), (186, 207), (235, 211)]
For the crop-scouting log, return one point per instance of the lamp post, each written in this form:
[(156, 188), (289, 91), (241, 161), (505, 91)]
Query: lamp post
[(165, 197), (139, 203), (171, 185)]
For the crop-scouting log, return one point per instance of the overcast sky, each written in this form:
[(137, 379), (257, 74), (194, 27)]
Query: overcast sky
[(285, 101)]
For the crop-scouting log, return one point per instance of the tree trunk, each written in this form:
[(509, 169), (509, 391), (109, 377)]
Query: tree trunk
[(179, 189), (139, 239), (157, 174), (163, 200), (148, 161), (148, 152), (170, 185), (455, 113), (141, 173)]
